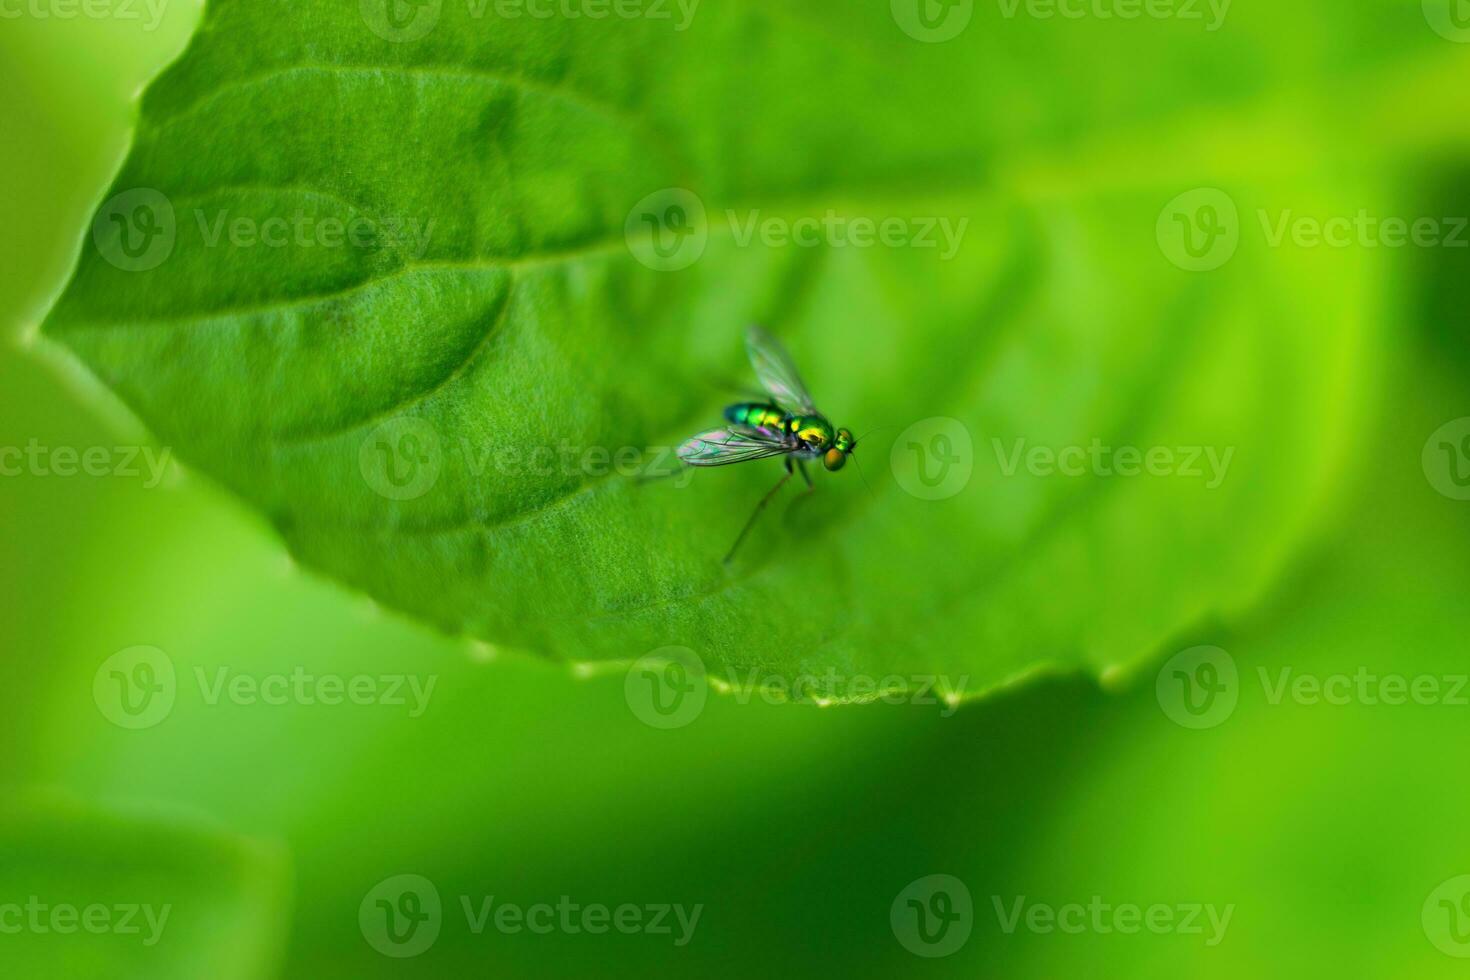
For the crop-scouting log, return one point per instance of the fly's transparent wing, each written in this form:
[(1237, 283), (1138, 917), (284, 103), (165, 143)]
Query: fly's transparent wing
[(777, 372), (721, 447)]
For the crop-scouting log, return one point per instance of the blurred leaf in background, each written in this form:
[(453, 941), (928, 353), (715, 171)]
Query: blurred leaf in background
[(1330, 834)]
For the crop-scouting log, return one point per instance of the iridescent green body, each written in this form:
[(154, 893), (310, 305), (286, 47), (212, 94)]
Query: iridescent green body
[(758, 416), (809, 435)]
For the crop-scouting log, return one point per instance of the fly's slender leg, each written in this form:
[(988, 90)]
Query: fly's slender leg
[(655, 477), (758, 508), (801, 465)]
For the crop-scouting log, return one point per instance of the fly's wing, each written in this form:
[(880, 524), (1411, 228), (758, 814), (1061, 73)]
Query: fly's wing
[(777, 372), (721, 447)]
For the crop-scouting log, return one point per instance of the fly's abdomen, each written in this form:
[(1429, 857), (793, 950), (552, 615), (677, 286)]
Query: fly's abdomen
[(766, 417)]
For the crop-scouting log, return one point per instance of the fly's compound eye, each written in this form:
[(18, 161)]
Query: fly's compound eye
[(834, 459)]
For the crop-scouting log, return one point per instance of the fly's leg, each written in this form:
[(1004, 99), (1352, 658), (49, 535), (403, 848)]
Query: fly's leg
[(655, 477), (810, 486), (758, 508)]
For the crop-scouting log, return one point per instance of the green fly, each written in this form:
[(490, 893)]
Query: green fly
[(787, 424)]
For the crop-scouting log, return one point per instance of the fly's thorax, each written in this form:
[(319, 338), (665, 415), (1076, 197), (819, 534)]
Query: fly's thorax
[(813, 431)]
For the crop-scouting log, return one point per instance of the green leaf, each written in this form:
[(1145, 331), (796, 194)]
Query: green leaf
[(86, 892), (397, 403)]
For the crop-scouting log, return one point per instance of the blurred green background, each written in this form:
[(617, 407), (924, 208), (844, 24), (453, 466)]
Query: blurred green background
[(1329, 830)]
